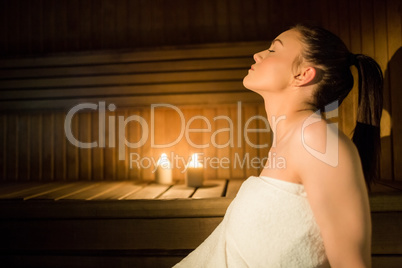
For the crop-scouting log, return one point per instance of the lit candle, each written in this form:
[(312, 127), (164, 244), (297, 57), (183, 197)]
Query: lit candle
[(163, 174), (195, 172)]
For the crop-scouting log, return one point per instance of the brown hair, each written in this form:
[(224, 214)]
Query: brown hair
[(334, 80)]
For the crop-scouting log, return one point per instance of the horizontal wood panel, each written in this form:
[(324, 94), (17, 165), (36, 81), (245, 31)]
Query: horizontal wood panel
[(163, 233), (386, 233), (151, 54), (107, 259), (210, 200), (92, 69), (105, 80), (106, 234), (189, 75), (90, 259), (133, 101), (124, 90), (114, 209)]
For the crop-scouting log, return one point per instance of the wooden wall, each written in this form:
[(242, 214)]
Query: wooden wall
[(47, 26), (37, 148), (44, 27)]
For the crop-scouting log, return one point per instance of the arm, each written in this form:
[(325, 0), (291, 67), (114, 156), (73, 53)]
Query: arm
[(338, 198)]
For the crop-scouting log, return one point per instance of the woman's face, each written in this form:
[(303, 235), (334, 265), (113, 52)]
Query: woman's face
[(273, 69)]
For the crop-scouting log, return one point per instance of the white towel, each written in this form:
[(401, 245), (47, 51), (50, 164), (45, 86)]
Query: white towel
[(268, 224)]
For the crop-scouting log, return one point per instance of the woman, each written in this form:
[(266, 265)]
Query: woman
[(315, 212)]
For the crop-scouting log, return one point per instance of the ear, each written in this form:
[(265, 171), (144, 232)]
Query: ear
[(306, 77)]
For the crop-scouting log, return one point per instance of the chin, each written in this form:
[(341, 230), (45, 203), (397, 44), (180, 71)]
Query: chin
[(247, 85), (250, 87)]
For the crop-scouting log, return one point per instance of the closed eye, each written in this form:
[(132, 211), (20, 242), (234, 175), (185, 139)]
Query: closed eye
[(270, 50)]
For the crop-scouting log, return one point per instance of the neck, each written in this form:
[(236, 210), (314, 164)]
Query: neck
[(284, 110)]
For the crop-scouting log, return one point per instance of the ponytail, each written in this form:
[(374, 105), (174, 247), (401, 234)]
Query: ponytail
[(329, 54), (366, 135)]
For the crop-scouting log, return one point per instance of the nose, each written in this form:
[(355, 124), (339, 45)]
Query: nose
[(258, 57)]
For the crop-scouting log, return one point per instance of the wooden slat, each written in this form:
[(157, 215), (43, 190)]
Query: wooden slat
[(119, 193), (379, 261), (109, 209), (392, 184), (35, 149), (115, 80), (71, 192), (90, 191), (108, 24), (12, 148), (383, 187), (23, 137), (3, 140), (111, 141), (60, 140), (386, 234), (105, 234), (72, 152), (233, 187), (150, 191), (223, 141), (120, 22), (237, 152), (381, 56), (135, 132), (48, 146), (11, 188), (156, 54), (146, 155), (97, 125), (210, 151), (33, 191), (121, 165), (394, 31), (211, 189), (143, 259), (92, 259), (166, 233), (386, 202), (84, 154), (251, 141), (133, 90), (127, 68), (100, 189), (60, 191), (178, 191)]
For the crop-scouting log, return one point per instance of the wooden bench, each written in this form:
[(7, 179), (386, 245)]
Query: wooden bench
[(140, 224)]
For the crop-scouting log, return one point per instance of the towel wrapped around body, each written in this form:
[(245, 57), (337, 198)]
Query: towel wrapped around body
[(268, 224)]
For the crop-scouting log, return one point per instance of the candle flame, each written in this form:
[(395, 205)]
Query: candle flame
[(194, 163), (164, 161)]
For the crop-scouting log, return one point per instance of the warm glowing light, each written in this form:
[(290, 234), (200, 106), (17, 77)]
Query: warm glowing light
[(164, 161), (163, 173), (195, 172), (194, 163), (386, 124)]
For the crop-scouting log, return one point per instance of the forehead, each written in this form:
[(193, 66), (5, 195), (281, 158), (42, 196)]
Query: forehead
[(290, 39)]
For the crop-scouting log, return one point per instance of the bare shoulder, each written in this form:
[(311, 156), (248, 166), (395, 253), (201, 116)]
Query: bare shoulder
[(323, 148), (329, 167)]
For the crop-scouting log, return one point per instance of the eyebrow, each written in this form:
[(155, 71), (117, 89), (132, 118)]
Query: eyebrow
[(277, 40)]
